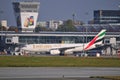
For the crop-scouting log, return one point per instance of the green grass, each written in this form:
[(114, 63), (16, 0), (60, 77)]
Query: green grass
[(53, 61)]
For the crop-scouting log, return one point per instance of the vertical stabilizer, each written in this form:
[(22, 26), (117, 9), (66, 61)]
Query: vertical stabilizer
[(97, 39)]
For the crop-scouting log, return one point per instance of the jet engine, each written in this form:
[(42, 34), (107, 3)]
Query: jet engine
[(54, 52)]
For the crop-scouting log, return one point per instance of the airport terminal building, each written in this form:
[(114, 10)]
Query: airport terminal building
[(26, 14), (10, 40)]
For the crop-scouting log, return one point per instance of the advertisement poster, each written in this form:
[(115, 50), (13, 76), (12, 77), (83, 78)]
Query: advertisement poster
[(28, 19)]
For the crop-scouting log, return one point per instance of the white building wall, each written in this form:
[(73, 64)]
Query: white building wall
[(54, 24), (15, 39), (113, 41), (42, 23), (4, 23)]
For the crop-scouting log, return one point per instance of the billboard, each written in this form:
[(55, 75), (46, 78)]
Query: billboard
[(28, 19)]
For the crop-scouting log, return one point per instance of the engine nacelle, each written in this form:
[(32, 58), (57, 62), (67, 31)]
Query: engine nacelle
[(54, 52), (69, 51)]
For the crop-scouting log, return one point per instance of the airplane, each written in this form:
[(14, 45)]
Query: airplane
[(57, 49)]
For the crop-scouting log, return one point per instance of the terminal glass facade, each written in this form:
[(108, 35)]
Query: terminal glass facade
[(53, 39)]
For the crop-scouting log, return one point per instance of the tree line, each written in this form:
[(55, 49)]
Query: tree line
[(68, 26)]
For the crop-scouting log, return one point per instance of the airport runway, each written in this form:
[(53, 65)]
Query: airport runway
[(30, 73)]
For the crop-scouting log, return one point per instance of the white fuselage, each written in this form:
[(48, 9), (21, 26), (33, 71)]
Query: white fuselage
[(48, 47), (68, 48)]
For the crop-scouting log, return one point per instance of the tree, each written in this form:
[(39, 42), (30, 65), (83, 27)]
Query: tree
[(3, 28), (67, 27), (39, 28), (13, 28)]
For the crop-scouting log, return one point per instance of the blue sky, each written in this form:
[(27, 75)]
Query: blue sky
[(61, 9)]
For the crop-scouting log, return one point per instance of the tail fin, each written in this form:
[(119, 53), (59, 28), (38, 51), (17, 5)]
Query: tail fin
[(97, 39)]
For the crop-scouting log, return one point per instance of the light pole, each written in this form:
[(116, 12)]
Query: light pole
[(86, 26), (83, 41), (86, 29), (73, 15)]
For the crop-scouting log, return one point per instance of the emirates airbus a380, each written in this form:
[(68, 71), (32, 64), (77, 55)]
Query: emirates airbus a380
[(56, 49)]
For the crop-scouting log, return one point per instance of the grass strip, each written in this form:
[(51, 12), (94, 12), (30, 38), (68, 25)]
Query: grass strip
[(57, 61)]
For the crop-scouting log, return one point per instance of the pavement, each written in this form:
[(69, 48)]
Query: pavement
[(56, 73)]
